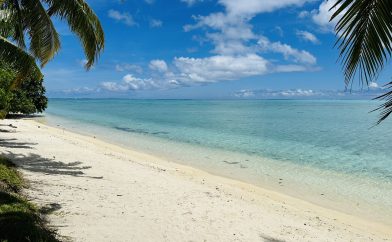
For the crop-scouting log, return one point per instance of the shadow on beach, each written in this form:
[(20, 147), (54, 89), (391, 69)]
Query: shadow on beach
[(36, 163)]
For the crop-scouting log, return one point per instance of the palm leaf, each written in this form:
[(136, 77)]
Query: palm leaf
[(12, 22), (365, 39), (44, 40), (386, 107), (83, 22), (19, 59)]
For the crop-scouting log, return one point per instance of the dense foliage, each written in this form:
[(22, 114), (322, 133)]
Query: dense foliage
[(28, 98)]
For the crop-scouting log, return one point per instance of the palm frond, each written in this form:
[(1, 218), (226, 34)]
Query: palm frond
[(19, 59), (364, 38), (44, 40), (12, 22), (386, 107), (83, 22)]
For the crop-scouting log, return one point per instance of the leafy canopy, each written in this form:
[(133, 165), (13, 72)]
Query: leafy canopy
[(28, 98)]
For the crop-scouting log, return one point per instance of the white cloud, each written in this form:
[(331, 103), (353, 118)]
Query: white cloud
[(123, 17), (155, 23), (128, 67), (307, 36), (245, 93), (373, 85), (290, 93), (219, 67), (129, 83), (158, 65), (236, 51), (252, 7), (323, 14), (150, 1), (81, 90), (233, 38), (289, 53), (299, 93), (304, 14)]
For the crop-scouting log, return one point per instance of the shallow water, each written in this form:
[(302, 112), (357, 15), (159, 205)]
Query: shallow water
[(323, 151)]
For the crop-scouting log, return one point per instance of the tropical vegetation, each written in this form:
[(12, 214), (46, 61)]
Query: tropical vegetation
[(28, 98), (20, 220), (27, 33), (364, 31)]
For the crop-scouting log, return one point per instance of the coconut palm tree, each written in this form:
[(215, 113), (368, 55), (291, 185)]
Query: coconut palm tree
[(364, 33), (29, 21)]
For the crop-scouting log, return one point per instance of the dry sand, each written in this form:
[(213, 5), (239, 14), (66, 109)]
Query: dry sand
[(102, 192)]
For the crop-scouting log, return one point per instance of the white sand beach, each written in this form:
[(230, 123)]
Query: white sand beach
[(102, 192)]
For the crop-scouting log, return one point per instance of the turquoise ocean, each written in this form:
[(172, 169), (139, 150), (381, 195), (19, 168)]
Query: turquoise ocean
[(326, 152)]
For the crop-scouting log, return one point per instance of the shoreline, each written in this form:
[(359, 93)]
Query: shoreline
[(320, 192), (304, 219)]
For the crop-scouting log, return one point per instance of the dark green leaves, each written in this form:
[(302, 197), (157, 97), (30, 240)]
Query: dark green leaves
[(19, 59), (364, 39), (44, 40), (20, 18), (386, 107)]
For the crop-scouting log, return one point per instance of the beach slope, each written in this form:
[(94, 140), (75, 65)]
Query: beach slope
[(96, 191)]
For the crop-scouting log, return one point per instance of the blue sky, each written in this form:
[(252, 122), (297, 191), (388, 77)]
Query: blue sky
[(206, 49)]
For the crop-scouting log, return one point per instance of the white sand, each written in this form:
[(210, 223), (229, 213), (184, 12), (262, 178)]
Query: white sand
[(115, 194)]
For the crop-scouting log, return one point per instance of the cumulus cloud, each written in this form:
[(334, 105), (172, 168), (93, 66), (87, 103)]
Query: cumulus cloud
[(158, 65), (129, 83), (299, 56), (233, 39), (307, 36), (322, 15), (237, 51), (220, 67), (123, 17)]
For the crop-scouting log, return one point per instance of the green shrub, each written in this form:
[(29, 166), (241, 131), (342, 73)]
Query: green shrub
[(19, 219), (27, 98)]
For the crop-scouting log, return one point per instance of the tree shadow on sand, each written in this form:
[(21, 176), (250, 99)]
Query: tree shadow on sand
[(13, 143), (36, 163)]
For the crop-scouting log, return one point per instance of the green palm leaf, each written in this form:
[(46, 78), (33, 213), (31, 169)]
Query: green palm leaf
[(364, 40), (12, 22), (44, 40), (386, 107), (83, 22), (18, 58)]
